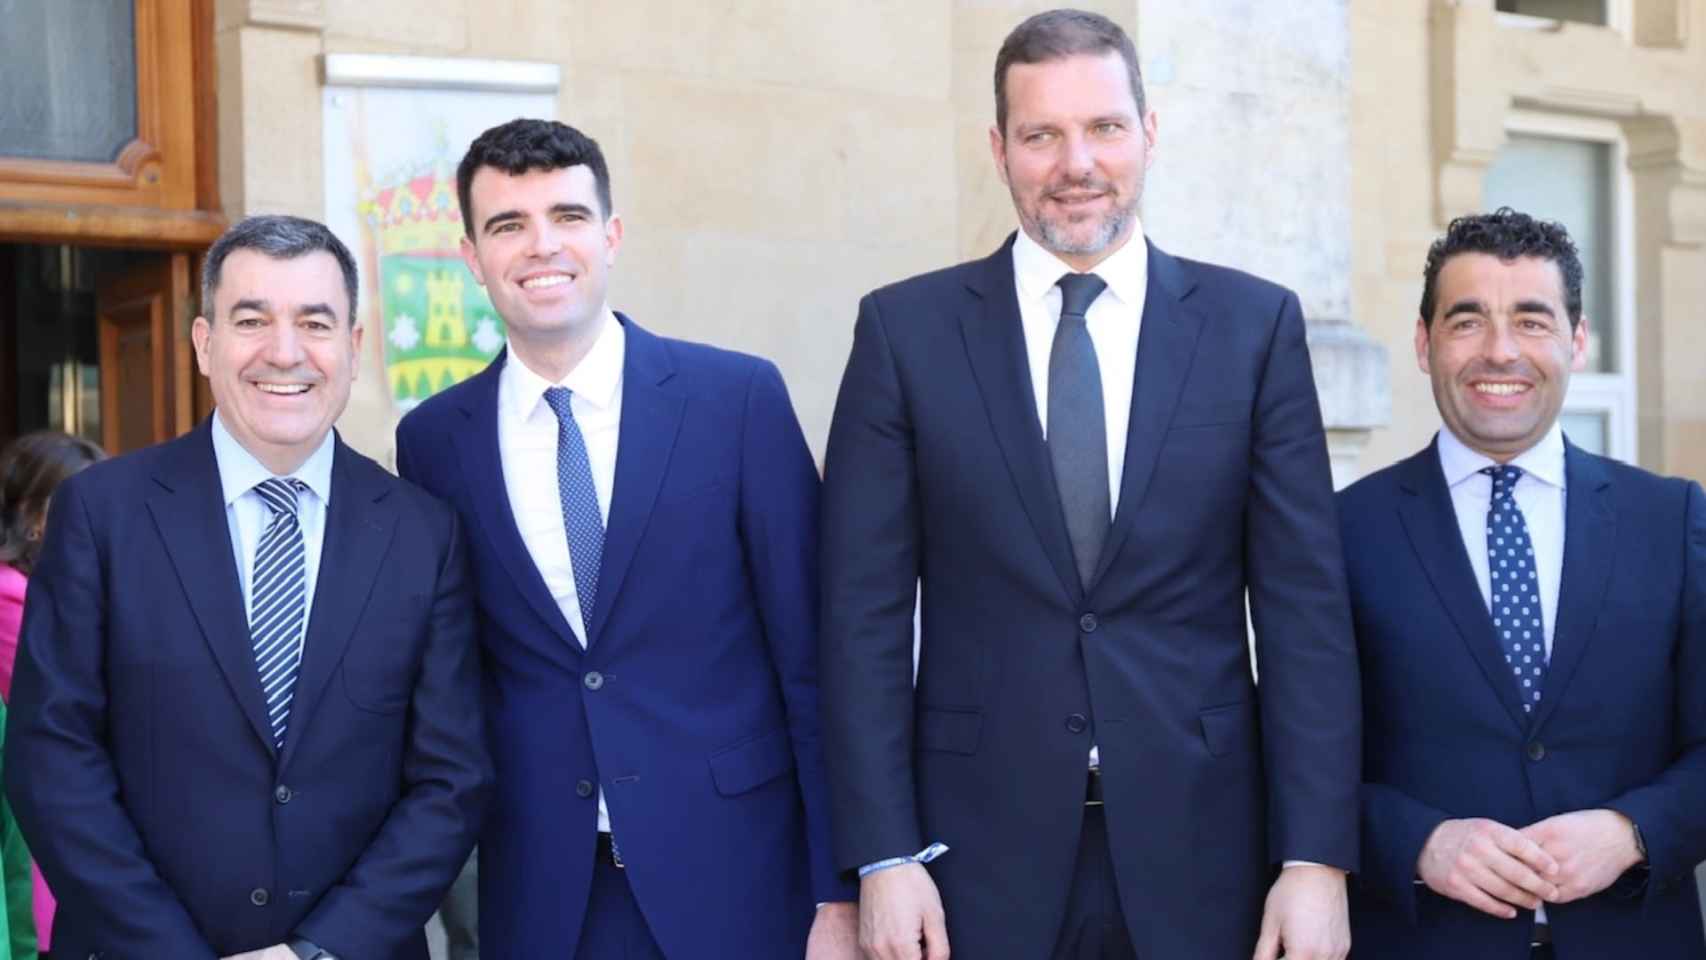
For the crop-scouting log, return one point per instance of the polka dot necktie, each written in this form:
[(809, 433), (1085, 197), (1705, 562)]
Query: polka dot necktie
[(582, 520), (1515, 589), (278, 600)]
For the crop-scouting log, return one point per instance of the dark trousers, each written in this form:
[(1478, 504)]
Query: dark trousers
[(614, 928), (1095, 925)]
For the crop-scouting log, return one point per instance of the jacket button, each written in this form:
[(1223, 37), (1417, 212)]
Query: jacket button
[(1077, 723), (583, 789), (593, 680), (282, 793), (1088, 623), (259, 896), (1537, 751)]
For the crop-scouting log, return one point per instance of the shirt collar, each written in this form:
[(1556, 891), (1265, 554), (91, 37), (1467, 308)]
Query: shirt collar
[(240, 471), (1544, 461), (597, 379), (1125, 271)]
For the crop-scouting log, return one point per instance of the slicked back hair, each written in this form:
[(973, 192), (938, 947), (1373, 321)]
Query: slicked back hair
[(282, 238), (1509, 235), (523, 145), (1056, 35)]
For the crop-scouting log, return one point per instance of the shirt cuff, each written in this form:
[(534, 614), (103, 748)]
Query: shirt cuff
[(923, 856), (1308, 863)]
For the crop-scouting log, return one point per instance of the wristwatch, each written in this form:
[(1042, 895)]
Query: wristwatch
[(306, 949)]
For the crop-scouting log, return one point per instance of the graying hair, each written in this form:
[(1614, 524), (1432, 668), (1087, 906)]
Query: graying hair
[(280, 237), (1057, 34)]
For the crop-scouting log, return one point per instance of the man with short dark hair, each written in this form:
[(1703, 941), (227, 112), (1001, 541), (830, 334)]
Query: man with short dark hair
[(246, 714), (643, 517), (1085, 453), (1532, 624)]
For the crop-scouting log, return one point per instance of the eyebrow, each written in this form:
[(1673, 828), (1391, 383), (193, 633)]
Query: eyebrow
[(555, 210), (265, 306), (1522, 306)]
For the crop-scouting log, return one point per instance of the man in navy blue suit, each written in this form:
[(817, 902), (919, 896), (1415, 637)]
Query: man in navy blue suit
[(1088, 452), (1531, 620), (643, 520), (246, 718)]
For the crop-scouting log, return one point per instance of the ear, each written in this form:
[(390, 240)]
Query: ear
[(998, 152), (1150, 130), (612, 238), (1422, 344), (1579, 345), (472, 259), (355, 333), (200, 331)]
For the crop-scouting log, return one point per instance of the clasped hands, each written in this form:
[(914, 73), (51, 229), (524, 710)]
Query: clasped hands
[(1497, 869)]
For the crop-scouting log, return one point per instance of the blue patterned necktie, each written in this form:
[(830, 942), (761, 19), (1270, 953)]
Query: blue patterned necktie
[(582, 520), (279, 601), (1515, 587), (1077, 432)]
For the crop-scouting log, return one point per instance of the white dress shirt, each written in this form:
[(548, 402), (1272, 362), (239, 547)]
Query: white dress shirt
[(527, 446), (247, 515), (1114, 319), (1539, 494)]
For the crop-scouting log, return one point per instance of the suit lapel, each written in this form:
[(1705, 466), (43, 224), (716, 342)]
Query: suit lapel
[(189, 512), (360, 522), (1166, 343), (1590, 534), (651, 418), (1430, 521), (995, 345), (482, 466)]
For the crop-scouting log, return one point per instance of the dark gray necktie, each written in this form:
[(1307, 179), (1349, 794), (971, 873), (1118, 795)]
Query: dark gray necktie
[(1077, 433)]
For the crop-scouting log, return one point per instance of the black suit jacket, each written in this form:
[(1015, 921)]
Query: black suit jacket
[(937, 470), (139, 761)]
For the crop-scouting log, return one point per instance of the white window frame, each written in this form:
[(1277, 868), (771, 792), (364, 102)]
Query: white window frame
[(1612, 395)]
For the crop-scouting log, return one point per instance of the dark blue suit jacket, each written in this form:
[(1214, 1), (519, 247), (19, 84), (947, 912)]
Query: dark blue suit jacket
[(1622, 722), (937, 469), (702, 727), (139, 759)]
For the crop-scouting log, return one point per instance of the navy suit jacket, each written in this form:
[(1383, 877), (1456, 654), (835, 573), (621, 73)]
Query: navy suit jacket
[(695, 704), (139, 760), (1621, 723), (937, 470)]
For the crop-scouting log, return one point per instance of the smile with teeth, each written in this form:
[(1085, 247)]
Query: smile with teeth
[(1501, 389), (283, 389), (549, 280)]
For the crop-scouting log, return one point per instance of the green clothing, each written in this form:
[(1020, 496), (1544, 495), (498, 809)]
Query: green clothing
[(17, 923)]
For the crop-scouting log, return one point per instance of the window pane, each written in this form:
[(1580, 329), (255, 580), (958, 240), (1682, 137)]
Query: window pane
[(1568, 181), (67, 79), (1580, 11), (1585, 430)]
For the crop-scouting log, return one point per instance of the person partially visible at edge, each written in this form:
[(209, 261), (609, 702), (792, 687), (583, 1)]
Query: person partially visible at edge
[(31, 468), (1532, 622), (1086, 453), (245, 720), (642, 514)]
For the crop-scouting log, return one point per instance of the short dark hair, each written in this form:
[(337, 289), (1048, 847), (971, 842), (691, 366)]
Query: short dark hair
[(522, 145), (281, 237), (1056, 35), (31, 468), (1508, 235)]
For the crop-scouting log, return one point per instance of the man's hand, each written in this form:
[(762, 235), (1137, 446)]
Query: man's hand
[(279, 952), (1489, 866), (899, 908), (1592, 847), (1306, 917), (835, 932)]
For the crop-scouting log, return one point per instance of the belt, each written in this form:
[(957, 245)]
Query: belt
[(1093, 790), (1542, 936), (607, 851)]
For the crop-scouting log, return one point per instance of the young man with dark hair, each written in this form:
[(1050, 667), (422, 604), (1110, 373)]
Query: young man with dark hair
[(643, 521), (1532, 626), (1088, 453)]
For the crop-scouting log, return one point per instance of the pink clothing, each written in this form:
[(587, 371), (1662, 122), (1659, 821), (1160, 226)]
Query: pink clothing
[(12, 586)]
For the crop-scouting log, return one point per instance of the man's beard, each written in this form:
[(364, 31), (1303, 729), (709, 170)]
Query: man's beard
[(1055, 236)]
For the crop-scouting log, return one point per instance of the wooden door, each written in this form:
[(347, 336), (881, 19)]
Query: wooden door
[(144, 314)]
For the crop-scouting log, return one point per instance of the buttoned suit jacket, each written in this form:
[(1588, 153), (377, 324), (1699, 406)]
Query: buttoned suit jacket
[(140, 761), (937, 469), (1621, 722), (694, 705)]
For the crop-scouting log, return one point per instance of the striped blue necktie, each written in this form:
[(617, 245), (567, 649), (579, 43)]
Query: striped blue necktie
[(278, 601), (582, 520)]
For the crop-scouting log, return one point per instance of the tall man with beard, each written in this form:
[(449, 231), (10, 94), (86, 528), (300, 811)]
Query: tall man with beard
[(1088, 452)]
